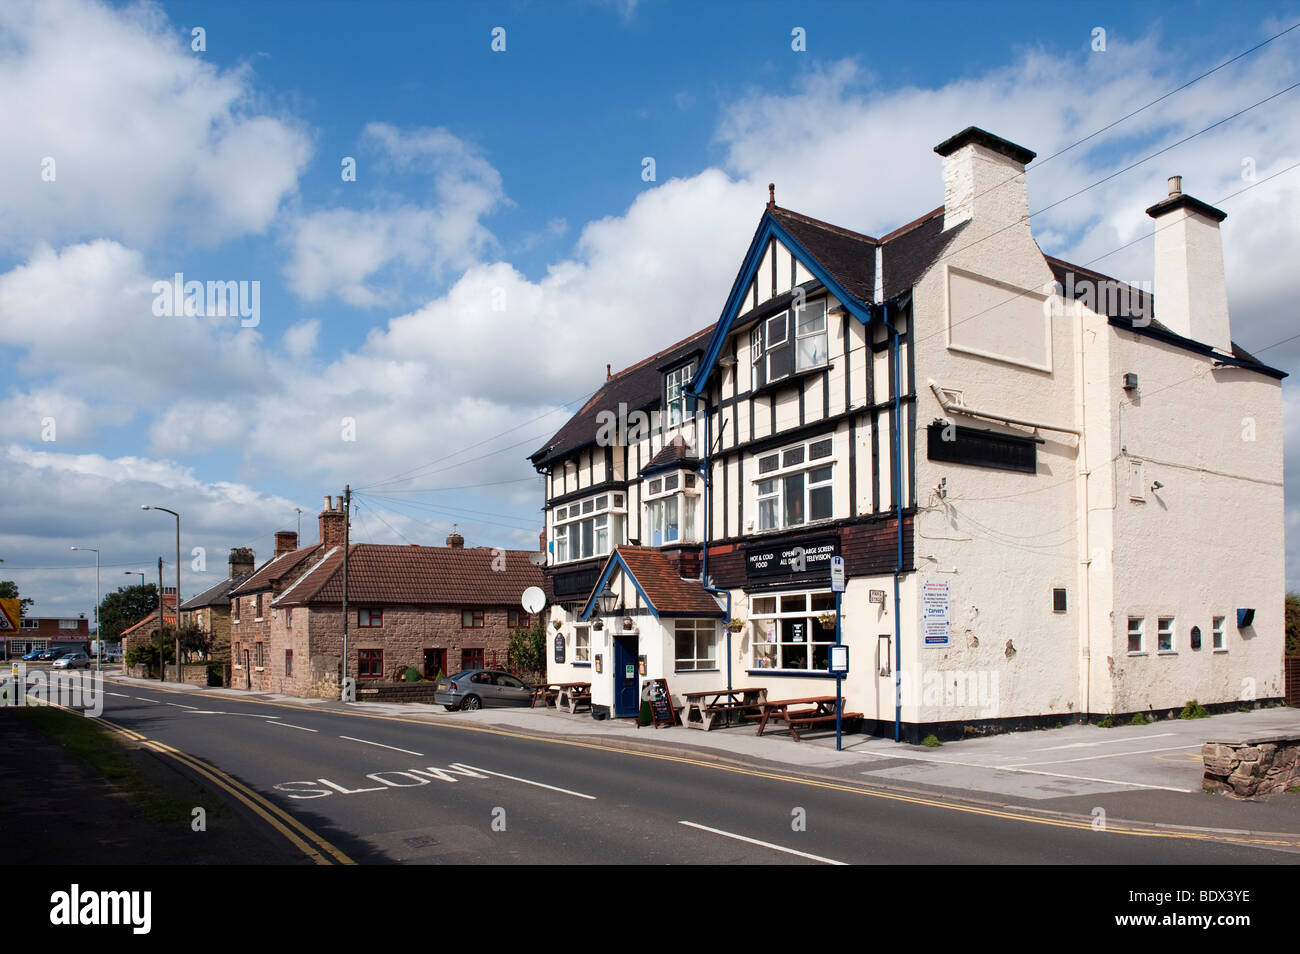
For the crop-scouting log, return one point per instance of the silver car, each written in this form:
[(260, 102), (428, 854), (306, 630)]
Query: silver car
[(479, 688), (77, 660)]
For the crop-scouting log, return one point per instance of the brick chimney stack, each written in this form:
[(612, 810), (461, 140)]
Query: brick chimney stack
[(241, 561), (455, 540), (332, 522), (983, 181), (286, 541)]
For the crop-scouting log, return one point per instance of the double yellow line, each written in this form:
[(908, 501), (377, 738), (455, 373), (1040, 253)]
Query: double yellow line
[(320, 851)]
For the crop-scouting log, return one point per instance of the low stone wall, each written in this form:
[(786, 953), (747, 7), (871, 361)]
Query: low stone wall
[(1251, 767), (194, 674), (395, 691)]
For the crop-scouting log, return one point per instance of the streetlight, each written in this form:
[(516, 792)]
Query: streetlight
[(179, 676), (139, 573), (98, 638)]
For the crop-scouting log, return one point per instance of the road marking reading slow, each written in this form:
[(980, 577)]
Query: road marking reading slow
[(381, 745), (763, 844), (290, 725)]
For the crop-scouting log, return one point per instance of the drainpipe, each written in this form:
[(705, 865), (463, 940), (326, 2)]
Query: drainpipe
[(898, 493), (705, 471)]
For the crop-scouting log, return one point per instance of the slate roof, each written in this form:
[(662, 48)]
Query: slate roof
[(640, 387), (675, 452), (384, 574), (218, 595), (911, 250), (667, 592), (849, 256), (273, 569)]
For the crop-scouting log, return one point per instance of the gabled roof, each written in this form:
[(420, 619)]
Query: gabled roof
[(639, 387), (387, 575), (849, 256), (657, 580), (276, 568), (218, 595), (169, 617), (675, 455)]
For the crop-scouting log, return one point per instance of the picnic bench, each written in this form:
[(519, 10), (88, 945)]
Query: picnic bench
[(549, 693), (702, 709), (817, 710), (573, 696)]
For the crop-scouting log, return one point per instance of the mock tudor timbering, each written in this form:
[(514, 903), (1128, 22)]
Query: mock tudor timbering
[(962, 420)]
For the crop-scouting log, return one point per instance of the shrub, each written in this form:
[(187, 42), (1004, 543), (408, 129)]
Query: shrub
[(412, 674), (1139, 718), (1107, 723), (1193, 710), (932, 741)]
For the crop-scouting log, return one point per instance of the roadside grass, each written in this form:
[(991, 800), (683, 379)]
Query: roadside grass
[(103, 751)]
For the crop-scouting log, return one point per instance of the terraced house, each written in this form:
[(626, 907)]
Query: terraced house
[(1057, 495)]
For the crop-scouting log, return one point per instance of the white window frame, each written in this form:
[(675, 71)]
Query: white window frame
[(806, 313), (698, 629), (1218, 637), (777, 479), (678, 489), (1140, 632), (607, 514), (1171, 631), (675, 382), (814, 635), (582, 645)]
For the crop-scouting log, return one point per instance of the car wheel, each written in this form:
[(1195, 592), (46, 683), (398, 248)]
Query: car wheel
[(471, 703)]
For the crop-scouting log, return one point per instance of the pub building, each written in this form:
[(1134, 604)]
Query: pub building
[(958, 417)]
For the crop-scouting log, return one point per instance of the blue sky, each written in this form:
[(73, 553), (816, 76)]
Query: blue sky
[(515, 174)]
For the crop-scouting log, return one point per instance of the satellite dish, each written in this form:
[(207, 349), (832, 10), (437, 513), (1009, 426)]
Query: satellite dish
[(534, 599)]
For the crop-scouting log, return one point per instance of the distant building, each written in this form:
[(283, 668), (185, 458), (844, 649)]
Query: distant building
[(210, 610), (50, 632)]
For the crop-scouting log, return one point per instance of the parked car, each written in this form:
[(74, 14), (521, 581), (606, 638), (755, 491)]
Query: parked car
[(50, 655), (74, 660), (33, 655), (479, 688)]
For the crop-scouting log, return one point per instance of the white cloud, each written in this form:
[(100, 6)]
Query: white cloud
[(300, 339), (350, 252), (147, 137)]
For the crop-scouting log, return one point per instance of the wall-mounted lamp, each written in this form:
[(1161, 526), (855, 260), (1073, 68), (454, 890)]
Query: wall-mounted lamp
[(1156, 486)]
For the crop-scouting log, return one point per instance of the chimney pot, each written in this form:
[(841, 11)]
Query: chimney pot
[(1175, 185), (455, 540)]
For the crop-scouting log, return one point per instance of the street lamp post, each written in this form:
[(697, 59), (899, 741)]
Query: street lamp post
[(139, 573), (98, 638), (179, 676)]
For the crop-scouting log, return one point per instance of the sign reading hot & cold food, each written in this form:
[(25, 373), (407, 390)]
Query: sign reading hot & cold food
[(808, 557)]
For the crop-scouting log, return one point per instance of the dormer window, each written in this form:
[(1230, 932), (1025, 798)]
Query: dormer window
[(675, 382), (791, 341), (671, 504)]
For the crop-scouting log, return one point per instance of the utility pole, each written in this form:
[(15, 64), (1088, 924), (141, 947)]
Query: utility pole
[(347, 523), (162, 665)]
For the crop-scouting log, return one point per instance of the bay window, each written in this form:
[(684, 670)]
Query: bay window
[(588, 528), (787, 632), (671, 505), (789, 342), (796, 485)]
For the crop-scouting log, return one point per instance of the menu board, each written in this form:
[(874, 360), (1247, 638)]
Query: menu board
[(655, 692), (936, 625)]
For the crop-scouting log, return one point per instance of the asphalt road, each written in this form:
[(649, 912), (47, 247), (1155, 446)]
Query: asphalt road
[(384, 790)]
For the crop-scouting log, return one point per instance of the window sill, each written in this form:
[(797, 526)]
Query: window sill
[(796, 528), (259, 619), (687, 672), (799, 673), (259, 669), (1219, 652), (1166, 652)]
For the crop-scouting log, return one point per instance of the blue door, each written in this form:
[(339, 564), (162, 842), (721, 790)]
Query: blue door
[(627, 694)]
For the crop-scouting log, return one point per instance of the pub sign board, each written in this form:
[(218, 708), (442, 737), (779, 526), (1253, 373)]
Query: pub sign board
[(808, 557)]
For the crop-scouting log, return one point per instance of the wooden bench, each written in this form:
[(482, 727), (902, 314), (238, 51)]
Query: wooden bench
[(809, 718), (575, 700)]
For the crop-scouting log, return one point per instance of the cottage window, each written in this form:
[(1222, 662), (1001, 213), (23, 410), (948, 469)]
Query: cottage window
[(675, 382), (471, 619), (370, 663), (696, 642), (516, 620), (1165, 634), (234, 611), (370, 618), (288, 618), (796, 486), (288, 662), (259, 656), (1135, 642), (582, 644), (787, 633), (810, 329), (257, 614), (471, 658), (1216, 638)]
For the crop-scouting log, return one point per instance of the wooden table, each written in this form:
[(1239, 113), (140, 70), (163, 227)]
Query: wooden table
[(571, 695), (703, 708), (550, 692), (818, 710)]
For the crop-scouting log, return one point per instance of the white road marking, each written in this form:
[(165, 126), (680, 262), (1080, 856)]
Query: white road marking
[(179, 705), (289, 725), (1085, 745), (1013, 768), (156, 702), (764, 844), (120, 695), (514, 778), (1112, 755), (381, 745)]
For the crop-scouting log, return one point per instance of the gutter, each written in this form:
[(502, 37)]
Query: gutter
[(898, 515), (705, 471)]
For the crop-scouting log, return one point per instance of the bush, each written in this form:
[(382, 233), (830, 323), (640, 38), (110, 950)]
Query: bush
[(1107, 723), (412, 674), (527, 649), (146, 655), (932, 741), (1139, 718), (1193, 710)]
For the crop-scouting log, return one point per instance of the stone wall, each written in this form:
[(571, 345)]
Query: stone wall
[(1251, 767)]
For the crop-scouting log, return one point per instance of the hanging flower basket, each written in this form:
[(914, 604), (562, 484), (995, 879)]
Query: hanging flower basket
[(827, 620), (735, 624), (558, 624), (598, 625)]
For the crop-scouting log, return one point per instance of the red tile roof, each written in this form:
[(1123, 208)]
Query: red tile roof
[(151, 619), (479, 576), (274, 569), (667, 592)]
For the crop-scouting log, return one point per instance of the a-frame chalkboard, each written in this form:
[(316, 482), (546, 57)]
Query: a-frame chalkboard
[(661, 702)]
